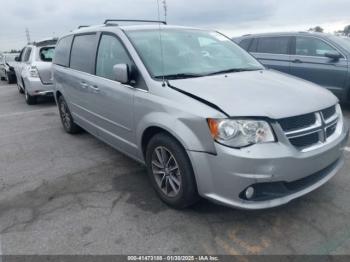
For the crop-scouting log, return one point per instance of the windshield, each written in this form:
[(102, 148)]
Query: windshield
[(342, 41), (47, 53), (190, 53)]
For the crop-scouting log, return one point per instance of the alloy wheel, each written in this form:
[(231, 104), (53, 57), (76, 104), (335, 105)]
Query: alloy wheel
[(166, 171), (65, 115), (26, 94)]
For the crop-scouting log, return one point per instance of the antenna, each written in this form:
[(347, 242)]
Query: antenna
[(161, 45)]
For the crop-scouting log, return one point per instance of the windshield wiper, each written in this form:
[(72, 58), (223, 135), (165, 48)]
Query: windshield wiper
[(234, 70), (179, 76)]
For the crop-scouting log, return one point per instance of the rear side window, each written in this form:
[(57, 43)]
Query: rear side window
[(62, 51), (83, 53), (273, 45), (110, 52), (245, 43), (27, 54), (46, 54)]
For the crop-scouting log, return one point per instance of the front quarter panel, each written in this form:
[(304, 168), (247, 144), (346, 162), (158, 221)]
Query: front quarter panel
[(178, 116)]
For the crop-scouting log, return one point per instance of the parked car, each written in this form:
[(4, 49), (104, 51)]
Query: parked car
[(316, 57), (33, 70), (202, 114), (7, 71)]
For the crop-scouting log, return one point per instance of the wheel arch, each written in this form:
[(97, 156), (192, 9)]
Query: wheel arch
[(183, 130)]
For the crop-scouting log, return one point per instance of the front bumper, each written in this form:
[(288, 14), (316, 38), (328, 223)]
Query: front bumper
[(223, 177), (36, 87)]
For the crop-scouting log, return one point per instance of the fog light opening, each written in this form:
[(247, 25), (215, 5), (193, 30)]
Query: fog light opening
[(249, 193)]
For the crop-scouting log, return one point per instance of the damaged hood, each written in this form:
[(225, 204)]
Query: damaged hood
[(258, 93)]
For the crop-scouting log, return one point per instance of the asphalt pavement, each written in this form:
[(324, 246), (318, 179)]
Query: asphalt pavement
[(63, 194)]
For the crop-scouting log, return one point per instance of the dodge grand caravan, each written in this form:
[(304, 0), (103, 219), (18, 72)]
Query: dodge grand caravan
[(320, 58), (202, 114)]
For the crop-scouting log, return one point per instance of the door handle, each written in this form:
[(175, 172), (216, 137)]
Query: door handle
[(95, 89), (297, 61), (83, 85)]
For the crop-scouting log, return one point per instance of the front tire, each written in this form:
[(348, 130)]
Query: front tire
[(66, 117), (170, 171)]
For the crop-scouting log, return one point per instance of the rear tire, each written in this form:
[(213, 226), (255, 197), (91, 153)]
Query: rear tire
[(30, 100), (66, 117), (20, 90), (171, 172), (10, 79)]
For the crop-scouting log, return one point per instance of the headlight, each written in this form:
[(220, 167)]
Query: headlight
[(239, 132)]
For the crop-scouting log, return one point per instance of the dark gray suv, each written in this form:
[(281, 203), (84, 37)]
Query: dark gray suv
[(316, 57)]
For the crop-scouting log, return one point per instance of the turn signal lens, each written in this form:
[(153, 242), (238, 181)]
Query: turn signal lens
[(214, 127)]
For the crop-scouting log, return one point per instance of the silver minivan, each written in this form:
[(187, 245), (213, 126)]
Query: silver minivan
[(202, 114)]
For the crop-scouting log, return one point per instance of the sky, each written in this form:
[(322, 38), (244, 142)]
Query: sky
[(46, 18)]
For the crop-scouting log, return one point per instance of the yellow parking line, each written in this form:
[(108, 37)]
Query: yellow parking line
[(226, 247), (253, 249)]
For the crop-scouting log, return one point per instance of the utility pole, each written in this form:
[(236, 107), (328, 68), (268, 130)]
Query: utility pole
[(28, 35), (165, 6)]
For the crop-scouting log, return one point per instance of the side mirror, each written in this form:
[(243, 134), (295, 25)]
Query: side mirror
[(333, 55), (17, 59), (122, 74)]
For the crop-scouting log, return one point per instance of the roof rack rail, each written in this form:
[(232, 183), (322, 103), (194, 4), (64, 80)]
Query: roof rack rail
[(131, 21), (83, 26), (44, 42)]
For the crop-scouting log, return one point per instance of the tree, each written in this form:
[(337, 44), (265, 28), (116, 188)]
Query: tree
[(317, 29), (347, 30)]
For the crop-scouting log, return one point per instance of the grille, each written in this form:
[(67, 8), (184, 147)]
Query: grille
[(331, 130), (297, 122), (308, 130), (328, 112), (305, 141)]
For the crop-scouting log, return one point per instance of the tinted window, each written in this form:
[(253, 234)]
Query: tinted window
[(62, 51), (273, 45), (309, 46), (110, 53), (245, 43), (83, 50), (27, 54), (46, 54)]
